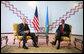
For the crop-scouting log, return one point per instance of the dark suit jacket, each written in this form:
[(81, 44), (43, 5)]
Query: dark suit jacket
[(66, 29), (22, 28)]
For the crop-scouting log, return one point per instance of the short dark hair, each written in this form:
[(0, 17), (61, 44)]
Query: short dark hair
[(63, 19)]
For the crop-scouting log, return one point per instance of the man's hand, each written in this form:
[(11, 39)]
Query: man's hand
[(64, 32), (55, 33), (26, 31)]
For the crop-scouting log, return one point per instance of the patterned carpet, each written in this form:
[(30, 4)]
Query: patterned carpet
[(43, 48), (15, 49)]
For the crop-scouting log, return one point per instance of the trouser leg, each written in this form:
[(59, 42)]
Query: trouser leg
[(58, 37), (24, 39), (34, 39), (58, 44)]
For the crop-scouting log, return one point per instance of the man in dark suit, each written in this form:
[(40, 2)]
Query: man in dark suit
[(24, 31), (63, 30)]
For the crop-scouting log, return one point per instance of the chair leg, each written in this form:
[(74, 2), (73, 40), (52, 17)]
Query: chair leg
[(6, 40), (69, 43), (19, 43), (14, 41), (75, 42), (37, 39), (47, 40)]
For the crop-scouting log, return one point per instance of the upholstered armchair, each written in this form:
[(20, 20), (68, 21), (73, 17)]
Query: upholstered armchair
[(15, 29), (67, 39)]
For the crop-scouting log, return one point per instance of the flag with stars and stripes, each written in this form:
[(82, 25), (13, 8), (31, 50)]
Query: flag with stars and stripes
[(36, 20)]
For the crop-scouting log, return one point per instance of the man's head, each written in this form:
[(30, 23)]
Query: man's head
[(24, 20), (62, 21)]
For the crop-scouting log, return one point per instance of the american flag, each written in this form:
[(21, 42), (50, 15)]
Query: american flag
[(36, 20)]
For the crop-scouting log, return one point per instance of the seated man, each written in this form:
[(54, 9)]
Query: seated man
[(23, 30), (63, 30)]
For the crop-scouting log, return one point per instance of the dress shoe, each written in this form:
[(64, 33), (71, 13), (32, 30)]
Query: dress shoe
[(25, 47), (36, 46), (52, 43), (57, 47)]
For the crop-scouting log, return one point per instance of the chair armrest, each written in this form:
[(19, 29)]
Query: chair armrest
[(70, 37)]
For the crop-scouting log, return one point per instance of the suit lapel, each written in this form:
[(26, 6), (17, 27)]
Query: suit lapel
[(64, 26), (23, 26)]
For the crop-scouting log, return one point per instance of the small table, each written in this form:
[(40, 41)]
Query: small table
[(42, 36), (80, 40), (4, 37)]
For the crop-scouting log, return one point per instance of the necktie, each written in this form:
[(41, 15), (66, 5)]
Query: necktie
[(25, 26), (62, 28)]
